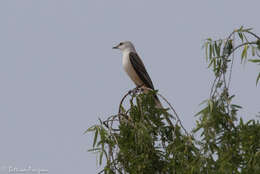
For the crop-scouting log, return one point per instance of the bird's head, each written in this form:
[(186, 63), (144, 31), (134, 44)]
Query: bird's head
[(125, 46)]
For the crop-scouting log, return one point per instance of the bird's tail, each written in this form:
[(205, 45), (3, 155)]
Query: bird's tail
[(158, 103), (167, 115)]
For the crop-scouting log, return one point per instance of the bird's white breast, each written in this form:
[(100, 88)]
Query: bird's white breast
[(130, 70)]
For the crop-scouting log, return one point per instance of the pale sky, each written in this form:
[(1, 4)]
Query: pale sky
[(59, 73)]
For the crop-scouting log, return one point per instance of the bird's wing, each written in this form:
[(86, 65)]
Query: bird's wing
[(140, 69)]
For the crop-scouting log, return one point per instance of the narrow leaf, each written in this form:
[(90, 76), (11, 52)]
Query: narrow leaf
[(257, 79), (253, 51), (206, 49), (202, 111), (94, 150), (91, 129), (244, 53), (258, 44), (254, 60), (211, 62), (217, 50), (101, 157), (203, 102), (210, 51), (236, 106), (241, 36), (210, 105), (95, 138)]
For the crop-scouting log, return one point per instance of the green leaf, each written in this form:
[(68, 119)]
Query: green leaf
[(253, 51), (211, 62), (214, 64), (210, 51), (257, 79), (241, 28), (217, 50), (244, 52), (213, 51), (248, 29), (236, 106), (209, 39), (95, 138), (94, 149), (206, 49), (203, 102), (122, 109), (102, 133), (258, 44), (241, 36), (101, 157), (210, 105), (202, 111), (91, 129), (229, 46), (254, 60)]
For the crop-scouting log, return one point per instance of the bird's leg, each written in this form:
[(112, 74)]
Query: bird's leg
[(139, 88), (132, 91), (136, 89)]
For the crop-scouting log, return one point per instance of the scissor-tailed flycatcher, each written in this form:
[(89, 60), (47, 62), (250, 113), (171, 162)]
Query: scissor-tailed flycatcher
[(135, 68)]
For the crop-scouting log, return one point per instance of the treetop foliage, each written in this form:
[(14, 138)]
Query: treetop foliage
[(142, 138)]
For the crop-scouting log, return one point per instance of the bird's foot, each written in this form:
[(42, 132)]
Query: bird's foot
[(134, 91)]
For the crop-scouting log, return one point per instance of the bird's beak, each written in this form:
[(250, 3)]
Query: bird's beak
[(115, 47)]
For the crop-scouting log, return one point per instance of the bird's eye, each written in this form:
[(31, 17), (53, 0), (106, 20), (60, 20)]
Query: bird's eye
[(121, 43)]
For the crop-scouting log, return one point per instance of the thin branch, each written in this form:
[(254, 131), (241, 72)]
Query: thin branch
[(167, 119), (231, 68), (177, 116), (243, 44), (121, 102), (215, 90), (253, 34), (226, 43), (212, 87)]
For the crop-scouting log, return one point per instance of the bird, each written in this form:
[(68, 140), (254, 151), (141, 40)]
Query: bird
[(135, 69)]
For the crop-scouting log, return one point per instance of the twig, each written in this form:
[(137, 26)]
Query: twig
[(212, 87), (168, 120), (246, 43), (121, 102), (178, 118), (215, 90), (231, 68), (253, 34)]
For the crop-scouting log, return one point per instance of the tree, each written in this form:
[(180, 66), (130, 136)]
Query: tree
[(142, 138)]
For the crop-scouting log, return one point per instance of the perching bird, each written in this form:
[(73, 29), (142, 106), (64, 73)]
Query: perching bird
[(135, 68)]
